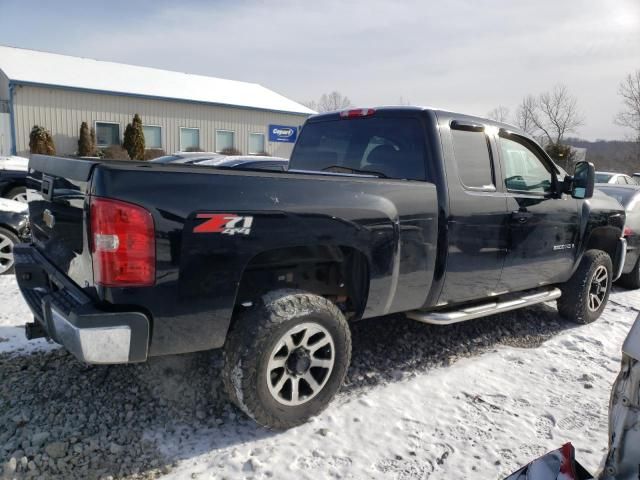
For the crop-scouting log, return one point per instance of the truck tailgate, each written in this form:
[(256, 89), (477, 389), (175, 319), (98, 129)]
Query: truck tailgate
[(57, 190)]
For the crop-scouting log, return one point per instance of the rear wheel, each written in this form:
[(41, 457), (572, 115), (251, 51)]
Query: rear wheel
[(7, 241), (18, 194), (585, 295), (631, 280), (286, 358)]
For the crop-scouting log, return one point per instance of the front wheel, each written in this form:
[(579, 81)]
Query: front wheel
[(585, 294), (286, 358)]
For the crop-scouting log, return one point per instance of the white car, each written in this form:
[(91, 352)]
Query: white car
[(616, 178)]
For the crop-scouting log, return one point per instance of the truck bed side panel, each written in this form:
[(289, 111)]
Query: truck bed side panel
[(392, 222)]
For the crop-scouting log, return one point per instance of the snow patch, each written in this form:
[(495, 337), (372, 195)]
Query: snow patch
[(14, 163), (12, 206)]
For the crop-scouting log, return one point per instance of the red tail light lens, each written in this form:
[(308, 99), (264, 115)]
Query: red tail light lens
[(123, 244), (357, 112), (627, 232)]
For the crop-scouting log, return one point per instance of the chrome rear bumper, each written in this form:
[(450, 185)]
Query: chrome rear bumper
[(68, 316)]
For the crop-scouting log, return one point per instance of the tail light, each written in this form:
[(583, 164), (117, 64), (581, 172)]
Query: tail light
[(357, 112), (627, 232), (123, 244)]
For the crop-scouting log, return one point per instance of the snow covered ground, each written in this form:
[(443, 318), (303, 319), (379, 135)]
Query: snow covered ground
[(14, 313), (481, 417)]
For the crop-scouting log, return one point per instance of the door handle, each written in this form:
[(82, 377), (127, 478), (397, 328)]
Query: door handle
[(520, 216)]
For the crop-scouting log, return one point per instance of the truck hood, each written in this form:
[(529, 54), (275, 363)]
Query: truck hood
[(602, 201)]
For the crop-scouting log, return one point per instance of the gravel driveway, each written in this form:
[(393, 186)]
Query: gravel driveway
[(63, 419)]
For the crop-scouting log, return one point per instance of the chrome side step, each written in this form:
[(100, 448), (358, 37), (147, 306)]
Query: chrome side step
[(454, 316)]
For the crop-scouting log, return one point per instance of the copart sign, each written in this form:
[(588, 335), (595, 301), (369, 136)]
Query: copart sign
[(282, 133)]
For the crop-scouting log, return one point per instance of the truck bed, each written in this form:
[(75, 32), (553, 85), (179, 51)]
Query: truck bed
[(198, 272)]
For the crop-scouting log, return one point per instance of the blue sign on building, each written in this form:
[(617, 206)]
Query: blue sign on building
[(282, 133)]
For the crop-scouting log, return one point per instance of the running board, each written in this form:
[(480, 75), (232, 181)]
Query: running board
[(482, 310)]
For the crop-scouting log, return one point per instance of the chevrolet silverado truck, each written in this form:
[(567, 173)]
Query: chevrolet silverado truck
[(443, 216)]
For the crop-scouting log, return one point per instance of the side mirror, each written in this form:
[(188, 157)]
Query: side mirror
[(584, 180)]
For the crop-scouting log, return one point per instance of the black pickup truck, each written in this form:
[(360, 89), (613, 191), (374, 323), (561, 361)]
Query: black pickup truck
[(442, 216)]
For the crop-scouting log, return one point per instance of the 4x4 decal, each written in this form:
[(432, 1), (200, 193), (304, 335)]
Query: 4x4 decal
[(227, 223)]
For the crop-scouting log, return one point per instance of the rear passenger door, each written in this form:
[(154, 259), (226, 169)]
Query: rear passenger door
[(478, 220)]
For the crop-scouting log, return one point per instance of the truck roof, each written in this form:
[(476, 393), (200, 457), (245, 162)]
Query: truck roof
[(418, 108)]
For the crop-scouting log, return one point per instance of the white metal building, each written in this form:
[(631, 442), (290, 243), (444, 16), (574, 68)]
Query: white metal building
[(179, 111)]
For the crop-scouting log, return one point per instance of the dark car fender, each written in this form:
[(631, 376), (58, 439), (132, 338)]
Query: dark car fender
[(17, 222), (10, 179)]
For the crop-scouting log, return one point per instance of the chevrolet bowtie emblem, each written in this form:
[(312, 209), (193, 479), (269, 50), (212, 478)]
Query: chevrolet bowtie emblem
[(48, 218)]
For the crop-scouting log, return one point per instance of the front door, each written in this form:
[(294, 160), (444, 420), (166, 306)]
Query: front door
[(543, 226)]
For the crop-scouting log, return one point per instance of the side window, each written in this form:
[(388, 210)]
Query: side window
[(622, 180), (523, 170), (471, 151)]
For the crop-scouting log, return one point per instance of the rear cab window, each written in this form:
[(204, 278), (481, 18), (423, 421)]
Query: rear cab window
[(382, 146), (473, 158)]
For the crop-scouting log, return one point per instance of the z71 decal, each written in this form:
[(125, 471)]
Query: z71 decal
[(227, 223)]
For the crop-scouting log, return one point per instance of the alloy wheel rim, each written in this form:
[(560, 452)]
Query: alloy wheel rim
[(21, 197), (6, 253), (598, 288), (300, 364)]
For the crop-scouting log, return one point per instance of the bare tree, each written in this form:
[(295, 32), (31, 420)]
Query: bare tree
[(550, 116), (499, 114), (555, 113), (524, 115), (629, 90), (312, 104), (329, 102)]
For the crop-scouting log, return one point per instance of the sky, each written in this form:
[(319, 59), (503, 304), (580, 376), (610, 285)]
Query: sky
[(464, 55)]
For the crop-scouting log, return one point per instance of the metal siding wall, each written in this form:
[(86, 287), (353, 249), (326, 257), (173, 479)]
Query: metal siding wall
[(4, 86), (62, 112)]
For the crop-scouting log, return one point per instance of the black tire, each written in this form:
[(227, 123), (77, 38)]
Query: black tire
[(251, 345), (6, 264), (574, 304), (17, 193), (631, 280)]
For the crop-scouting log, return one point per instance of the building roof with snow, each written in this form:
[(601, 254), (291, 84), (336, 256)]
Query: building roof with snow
[(31, 67)]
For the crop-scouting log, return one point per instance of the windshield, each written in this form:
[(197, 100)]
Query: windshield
[(381, 146), (603, 177)]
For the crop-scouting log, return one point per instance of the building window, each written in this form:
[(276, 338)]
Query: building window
[(256, 143), (225, 139), (152, 136), (189, 139), (107, 134)]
